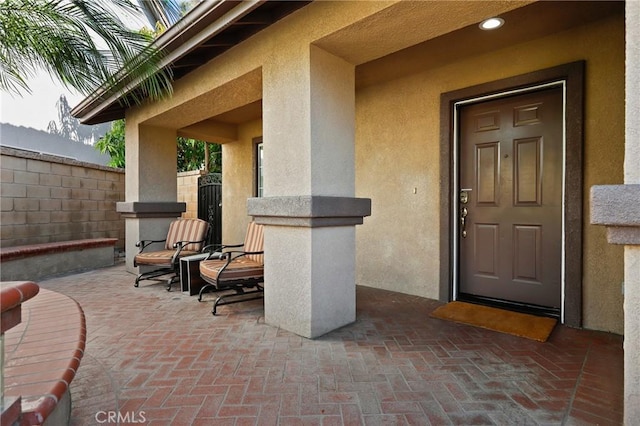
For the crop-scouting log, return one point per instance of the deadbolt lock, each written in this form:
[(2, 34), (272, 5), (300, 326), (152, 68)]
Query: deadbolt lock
[(464, 197)]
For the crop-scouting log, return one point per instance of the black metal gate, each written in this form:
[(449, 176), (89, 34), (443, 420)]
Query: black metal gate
[(210, 204)]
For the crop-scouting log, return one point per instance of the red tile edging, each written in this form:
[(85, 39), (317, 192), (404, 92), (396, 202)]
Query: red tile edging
[(43, 353), (20, 252), (12, 295)]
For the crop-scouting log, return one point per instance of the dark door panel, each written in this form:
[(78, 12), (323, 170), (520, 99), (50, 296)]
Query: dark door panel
[(511, 169)]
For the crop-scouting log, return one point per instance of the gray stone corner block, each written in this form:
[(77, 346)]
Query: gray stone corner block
[(155, 209), (309, 210), (618, 208), (626, 235)]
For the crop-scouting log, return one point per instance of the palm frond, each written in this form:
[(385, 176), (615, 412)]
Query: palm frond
[(62, 37)]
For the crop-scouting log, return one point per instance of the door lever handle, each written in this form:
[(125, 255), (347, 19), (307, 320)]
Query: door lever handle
[(463, 222)]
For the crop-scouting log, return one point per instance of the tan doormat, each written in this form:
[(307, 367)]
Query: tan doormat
[(522, 325)]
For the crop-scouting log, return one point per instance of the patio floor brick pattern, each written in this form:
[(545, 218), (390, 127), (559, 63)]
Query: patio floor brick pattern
[(160, 358)]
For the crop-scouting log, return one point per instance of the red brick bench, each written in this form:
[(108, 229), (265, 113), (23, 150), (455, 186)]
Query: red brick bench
[(37, 261), (42, 352)]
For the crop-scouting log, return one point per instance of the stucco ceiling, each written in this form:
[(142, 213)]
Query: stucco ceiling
[(402, 39), (407, 23), (523, 24)]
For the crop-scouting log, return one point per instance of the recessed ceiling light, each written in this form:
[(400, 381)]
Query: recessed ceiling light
[(491, 23)]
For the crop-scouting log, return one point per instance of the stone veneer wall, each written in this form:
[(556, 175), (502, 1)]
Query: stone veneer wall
[(46, 198)]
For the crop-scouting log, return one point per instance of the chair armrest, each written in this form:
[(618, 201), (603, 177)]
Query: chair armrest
[(230, 256), (215, 255), (234, 254), (219, 247), (145, 243), (179, 245), (182, 244)]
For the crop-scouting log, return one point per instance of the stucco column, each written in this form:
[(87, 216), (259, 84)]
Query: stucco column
[(632, 253), (309, 209), (618, 208), (151, 186)]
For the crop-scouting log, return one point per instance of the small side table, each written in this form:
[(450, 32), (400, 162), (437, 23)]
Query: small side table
[(190, 279)]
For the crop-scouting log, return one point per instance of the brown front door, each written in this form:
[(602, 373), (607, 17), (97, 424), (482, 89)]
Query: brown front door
[(511, 174)]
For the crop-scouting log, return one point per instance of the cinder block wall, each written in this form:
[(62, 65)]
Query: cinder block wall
[(188, 192), (45, 198)]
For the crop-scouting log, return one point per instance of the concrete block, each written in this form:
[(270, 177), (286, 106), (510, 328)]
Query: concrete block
[(115, 177), (107, 205), (60, 169), (107, 185), (79, 194), (79, 216), (112, 215), (28, 178), (60, 217), (70, 182), (42, 230), (37, 191), (97, 195), (7, 233), (19, 231), (90, 227), (13, 163), (6, 204), (26, 204), (62, 193), (88, 183), (114, 195), (38, 166), (71, 205), (97, 215), (65, 228), (88, 205), (14, 190), (83, 172), (50, 180), (38, 217), (50, 205), (6, 176)]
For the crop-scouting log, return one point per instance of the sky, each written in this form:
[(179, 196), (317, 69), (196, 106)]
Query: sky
[(37, 109)]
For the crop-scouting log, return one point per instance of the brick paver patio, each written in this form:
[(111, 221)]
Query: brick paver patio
[(159, 358)]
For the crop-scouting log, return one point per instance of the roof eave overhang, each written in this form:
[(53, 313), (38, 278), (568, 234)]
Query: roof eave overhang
[(203, 22)]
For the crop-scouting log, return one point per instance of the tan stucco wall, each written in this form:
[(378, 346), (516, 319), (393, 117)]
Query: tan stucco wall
[(397, 129), (397, 155), (238, 176)]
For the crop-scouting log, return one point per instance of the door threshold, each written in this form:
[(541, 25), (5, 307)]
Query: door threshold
[(524, 308)]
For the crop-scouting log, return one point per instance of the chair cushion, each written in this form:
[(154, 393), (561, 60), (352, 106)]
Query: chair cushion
[(187, 230), (160, 257), (254, 241), (241, 268)]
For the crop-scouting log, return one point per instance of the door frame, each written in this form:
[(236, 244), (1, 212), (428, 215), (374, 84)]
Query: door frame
[(571, 77)]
